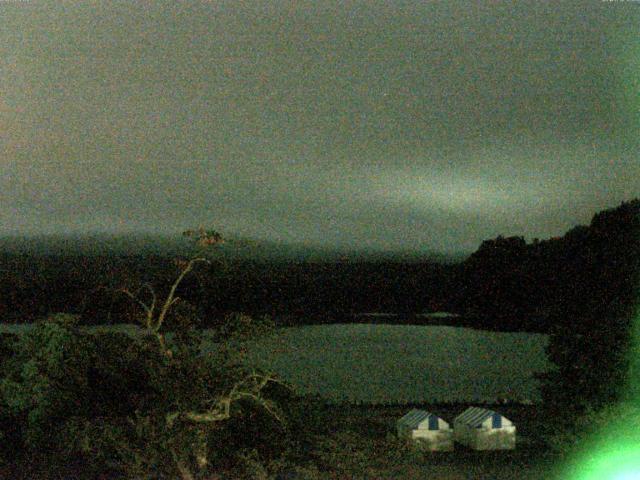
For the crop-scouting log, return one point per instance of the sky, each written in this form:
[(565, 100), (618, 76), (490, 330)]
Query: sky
[(406, 125)]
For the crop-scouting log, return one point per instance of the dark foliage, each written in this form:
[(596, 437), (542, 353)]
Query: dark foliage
[(103, 401), (34, 287), (592, 327), (506, 284)]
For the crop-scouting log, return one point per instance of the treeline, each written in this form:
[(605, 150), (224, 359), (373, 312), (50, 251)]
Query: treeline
[(33, 287), (507, 284), (583, 289)]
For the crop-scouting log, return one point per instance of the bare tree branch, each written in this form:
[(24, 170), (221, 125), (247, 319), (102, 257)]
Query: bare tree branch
[(247, 388), (169, 300), (153, 295), (136, 299)]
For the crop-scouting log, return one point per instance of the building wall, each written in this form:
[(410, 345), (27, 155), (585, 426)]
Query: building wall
[(433, 440), (486, 439), (498, 439), (463, 434)]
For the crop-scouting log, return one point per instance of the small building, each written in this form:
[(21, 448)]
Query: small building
[(482, 429), (427, 430)]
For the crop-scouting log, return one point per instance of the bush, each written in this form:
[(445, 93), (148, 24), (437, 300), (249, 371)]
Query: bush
[(122, 403), (241, 327), (161, 439), (153, 406), (9, 434), (7, 349), (46, 383), (119, 376)]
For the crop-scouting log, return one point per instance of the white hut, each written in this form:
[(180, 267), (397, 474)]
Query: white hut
[(482, 429), (428, 430)]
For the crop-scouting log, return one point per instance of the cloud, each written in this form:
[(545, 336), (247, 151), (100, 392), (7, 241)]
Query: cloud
[(374, 123)]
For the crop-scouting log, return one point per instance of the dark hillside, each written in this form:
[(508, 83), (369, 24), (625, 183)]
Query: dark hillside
[(33, 286), (509, 284)]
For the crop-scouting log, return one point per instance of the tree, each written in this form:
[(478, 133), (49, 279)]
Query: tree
[(151, 405), (215, 406), (592, 327)]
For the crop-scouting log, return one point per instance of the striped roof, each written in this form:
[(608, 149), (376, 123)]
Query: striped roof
[(476, 416), (415, 418)]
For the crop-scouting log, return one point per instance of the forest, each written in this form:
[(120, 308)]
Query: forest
[(506, 284)]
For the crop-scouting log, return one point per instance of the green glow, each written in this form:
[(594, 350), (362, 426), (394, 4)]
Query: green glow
[(613, 452), (618, 462)]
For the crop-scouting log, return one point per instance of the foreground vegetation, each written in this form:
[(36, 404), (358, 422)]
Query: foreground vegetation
[(93, 403), (149, 406), (387, 364), (96, 404), (133, 406), (87, 404)]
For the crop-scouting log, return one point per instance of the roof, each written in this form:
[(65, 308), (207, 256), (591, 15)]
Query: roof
[(417, 418), (475, 417)]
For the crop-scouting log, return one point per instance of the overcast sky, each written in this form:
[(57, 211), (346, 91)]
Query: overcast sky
[(396, 124)]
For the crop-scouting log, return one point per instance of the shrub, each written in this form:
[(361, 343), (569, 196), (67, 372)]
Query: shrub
[(46, 383), (7, 349), (153, 406), (9, 434), (242, 327), (119, 376)]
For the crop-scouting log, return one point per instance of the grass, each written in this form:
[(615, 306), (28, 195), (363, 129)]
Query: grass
[(441, 369), (361, 440), (395, 364)]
